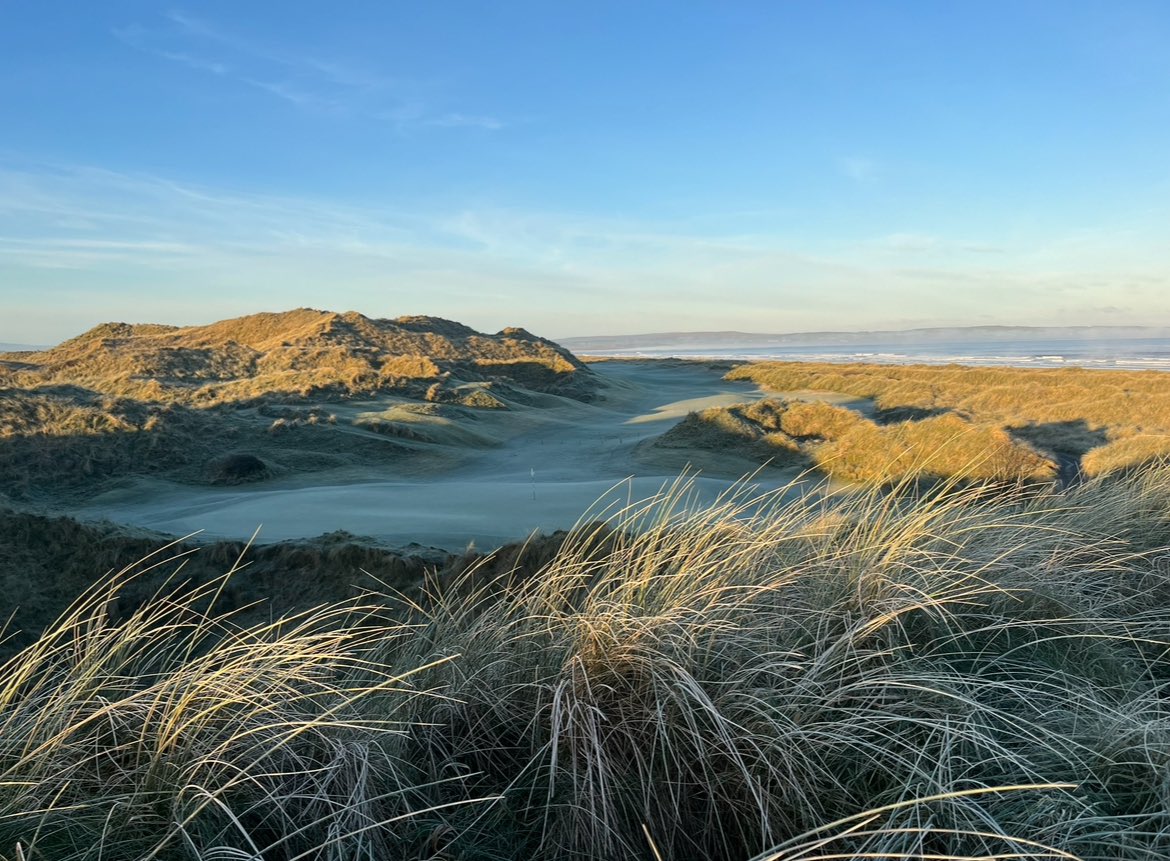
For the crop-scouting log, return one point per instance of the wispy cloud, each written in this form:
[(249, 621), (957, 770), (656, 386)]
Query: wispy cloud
[(909, 242), (298, 77), (98, 244), (197, 27), (196, 62), (299, 97), (40, 252), (858, 168), (140, 39), (456, 120)]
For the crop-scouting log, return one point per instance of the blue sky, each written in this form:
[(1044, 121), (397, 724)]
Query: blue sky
[(586, 168)]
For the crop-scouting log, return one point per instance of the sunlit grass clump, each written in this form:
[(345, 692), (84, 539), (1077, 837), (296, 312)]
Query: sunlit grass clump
[(986, 674), (1069, 411), (940, 446), (172, 733), (842, 443)]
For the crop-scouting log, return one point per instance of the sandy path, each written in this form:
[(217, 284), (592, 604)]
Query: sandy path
[(542, 478)]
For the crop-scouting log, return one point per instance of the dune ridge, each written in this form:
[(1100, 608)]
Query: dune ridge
[(188, 402), (299, 352)]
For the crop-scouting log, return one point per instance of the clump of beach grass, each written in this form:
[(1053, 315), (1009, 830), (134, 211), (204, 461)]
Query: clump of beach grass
[(943, 446), (710, 684), (957, 673), (1065, 410), (175, 733), (846, 445)]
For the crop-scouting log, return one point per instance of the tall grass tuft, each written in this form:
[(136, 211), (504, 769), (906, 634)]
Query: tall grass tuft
[(1120, 419), (174, 733), (714, 683), (959, 673)]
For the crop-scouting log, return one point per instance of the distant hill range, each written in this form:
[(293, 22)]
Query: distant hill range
[(938, 335), (294, 353), (17, 348)]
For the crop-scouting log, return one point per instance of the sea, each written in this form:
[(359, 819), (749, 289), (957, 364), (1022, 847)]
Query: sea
[(1132, 354)]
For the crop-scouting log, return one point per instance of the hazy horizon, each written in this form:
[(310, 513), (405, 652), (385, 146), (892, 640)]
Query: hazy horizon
[(586, 170), (1149, 331)]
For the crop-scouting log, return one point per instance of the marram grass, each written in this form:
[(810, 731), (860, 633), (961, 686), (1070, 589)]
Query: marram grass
[(1117, 420), (962, 674)]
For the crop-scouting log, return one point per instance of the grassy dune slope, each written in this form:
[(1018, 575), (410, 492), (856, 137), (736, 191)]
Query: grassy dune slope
[(1113, 419), (844, 444), (62, 447), (989, 675), (299, 353), (47, 561), (187, 403)]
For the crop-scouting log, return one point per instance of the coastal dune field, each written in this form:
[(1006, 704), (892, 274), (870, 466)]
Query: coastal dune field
[(778, 612), (421, 431), (549, 466), (739, 432)]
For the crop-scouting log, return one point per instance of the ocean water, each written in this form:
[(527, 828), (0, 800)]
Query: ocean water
[(1134, 354)]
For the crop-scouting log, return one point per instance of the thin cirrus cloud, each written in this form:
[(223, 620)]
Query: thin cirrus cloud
[(861, 169), (927, 243), (910, 242), (300, 97), (458, 120), (296, 77), (91, 238), (195, 62)]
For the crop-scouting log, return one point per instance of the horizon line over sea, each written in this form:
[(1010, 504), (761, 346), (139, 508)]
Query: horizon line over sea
[(1122, 354)]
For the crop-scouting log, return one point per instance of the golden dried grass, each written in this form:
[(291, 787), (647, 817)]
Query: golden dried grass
[(947, 676), (1043, 404)]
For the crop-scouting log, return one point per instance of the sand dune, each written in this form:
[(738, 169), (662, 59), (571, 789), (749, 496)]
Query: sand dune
[(568, 456)]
